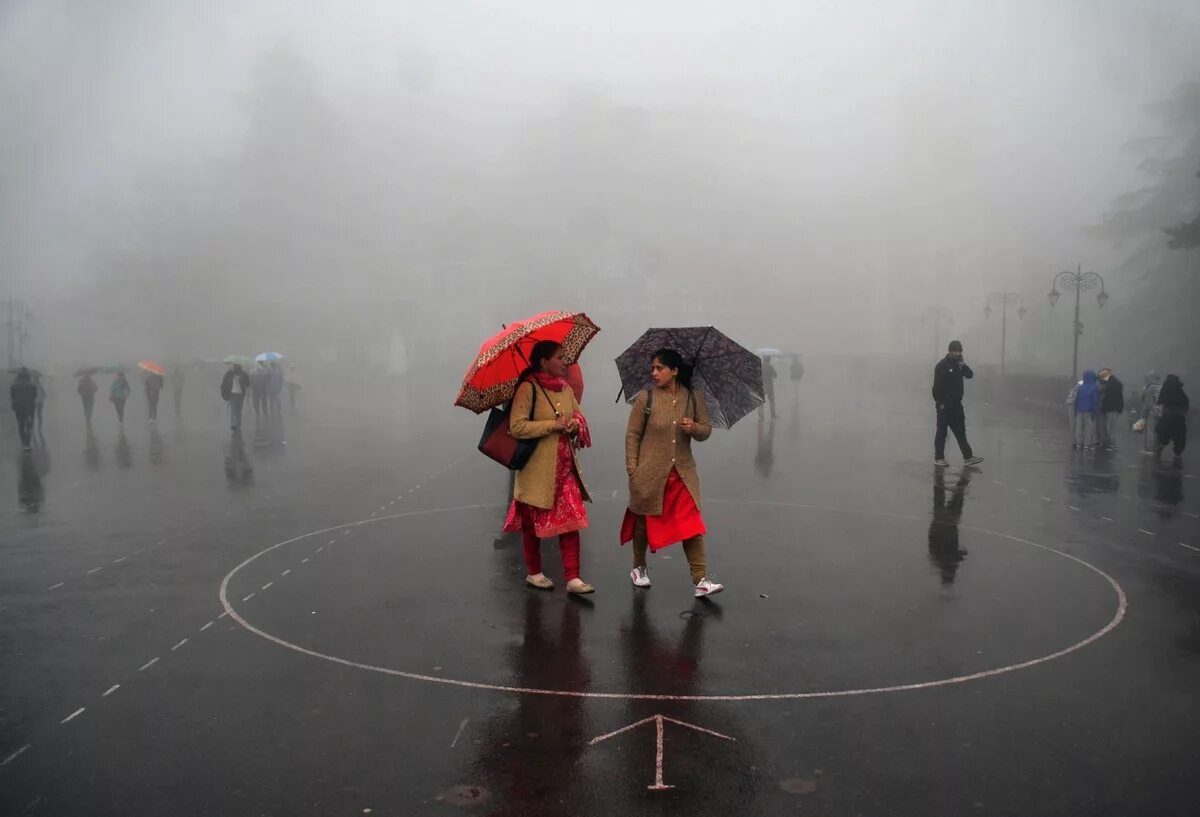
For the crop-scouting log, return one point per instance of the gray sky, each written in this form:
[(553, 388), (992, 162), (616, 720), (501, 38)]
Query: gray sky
[(983, 136)]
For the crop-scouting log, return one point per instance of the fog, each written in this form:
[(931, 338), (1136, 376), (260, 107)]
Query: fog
[(380, 185)]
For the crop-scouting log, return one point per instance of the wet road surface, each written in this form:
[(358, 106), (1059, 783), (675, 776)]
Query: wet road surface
[(1022, 638)]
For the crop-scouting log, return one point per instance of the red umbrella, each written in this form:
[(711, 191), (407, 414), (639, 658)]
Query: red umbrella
[(151, 366), (492, 378)]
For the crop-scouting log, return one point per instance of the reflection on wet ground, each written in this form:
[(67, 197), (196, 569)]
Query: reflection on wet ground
[(944, 550)]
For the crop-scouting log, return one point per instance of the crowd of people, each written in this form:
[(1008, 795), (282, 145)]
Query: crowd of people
[(1096, 408)]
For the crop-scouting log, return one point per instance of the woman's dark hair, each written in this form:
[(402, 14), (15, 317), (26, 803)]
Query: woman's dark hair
[(673, 360), (542, 350)]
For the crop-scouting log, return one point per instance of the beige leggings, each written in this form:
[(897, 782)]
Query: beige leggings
[(693, 549)]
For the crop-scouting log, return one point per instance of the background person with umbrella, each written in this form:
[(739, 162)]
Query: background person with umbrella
[(234, 386), (153, 385), (23, 398)]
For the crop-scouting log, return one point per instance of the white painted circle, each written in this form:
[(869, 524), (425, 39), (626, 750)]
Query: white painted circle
[(1118, 617)]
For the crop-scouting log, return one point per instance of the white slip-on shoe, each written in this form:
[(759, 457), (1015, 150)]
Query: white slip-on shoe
[(640, 577), (704, 587)]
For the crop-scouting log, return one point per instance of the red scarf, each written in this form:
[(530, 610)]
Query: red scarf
[(584, 438)]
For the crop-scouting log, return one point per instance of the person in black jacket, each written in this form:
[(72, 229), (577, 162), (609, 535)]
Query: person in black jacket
[(1112, 406), (234, 386), (948, 392), (1172, 426), (24, 394)]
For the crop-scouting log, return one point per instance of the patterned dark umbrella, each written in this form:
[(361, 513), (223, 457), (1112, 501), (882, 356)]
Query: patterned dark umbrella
[(729, 374)]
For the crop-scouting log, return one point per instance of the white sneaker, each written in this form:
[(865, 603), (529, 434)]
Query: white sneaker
[(941, 463), (640, 577), (706, 588)]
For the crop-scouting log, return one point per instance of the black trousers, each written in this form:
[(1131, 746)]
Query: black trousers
[(951, 417), (25, 426), (1172, 430)]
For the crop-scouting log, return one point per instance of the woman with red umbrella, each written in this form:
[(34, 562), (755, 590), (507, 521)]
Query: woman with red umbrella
[(549, 493)]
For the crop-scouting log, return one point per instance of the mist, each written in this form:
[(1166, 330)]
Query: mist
[(382, 185)]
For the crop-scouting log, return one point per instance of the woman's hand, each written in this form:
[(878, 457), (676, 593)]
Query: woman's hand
[(563, 423), (687, 425)]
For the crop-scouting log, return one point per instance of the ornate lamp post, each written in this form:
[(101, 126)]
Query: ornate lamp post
[(1077, 281), (1003, 299)]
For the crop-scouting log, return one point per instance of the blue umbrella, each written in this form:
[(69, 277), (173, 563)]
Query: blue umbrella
[(269, 357), (729, 374)]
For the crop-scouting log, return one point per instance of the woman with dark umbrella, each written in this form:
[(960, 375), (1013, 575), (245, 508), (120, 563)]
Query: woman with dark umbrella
[(664, 485)]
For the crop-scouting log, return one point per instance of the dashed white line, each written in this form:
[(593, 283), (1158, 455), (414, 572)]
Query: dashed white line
[(247, 598), (1072, 507), (148, 665), (74, 715), (223, 614), (1106, 518), (110, 690), (1022, 491), (345, 533), (14, 755), (160, 542), (180, 644), (305, 559), (458, 734), (1048, 499), (1147, 532), (331, 542), (1189, 547), (267, 585), (284, 573), (118, 561), (997, 482), (206, 626), (318, 550), (55, 586), (94, 570), (1192, 515)]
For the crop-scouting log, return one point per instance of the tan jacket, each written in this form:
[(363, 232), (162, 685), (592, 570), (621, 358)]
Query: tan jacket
[(535, 482), (649, 458)]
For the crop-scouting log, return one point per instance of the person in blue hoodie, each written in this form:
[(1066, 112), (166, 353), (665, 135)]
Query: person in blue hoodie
[(1087, 409)]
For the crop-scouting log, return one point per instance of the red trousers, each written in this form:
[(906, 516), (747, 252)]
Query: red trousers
[(569, 544)]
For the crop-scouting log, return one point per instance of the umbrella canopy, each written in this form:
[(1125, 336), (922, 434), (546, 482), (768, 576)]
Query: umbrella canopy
[(729, 373), (151, 367), (238, 360), (269, 357), (491, 379)]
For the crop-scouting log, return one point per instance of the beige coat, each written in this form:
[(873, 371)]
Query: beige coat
[(535, 482), (649, 458)]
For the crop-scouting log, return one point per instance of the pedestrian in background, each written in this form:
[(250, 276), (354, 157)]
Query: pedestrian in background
[(1151, 412), (1112, 406), (87, 389), (23, 396), (234, 386), (153, 385), (769, 376), (178, 378), (118, 393), (259, 385), (1172, 428), (1087, 411)]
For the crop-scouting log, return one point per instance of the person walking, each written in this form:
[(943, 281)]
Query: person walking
[(769, 376), (1112, 406), (1151, 412), (1071, 395), (40, 406), (178, 378), (23, 396), (275, 380), (1172, 428), (258, 391), (549, 492), (153, 384), (1087, 411), (118, 393), (664, 483), (293, 386), (948, 392), (234, 386), (796, 374), (87, 389)]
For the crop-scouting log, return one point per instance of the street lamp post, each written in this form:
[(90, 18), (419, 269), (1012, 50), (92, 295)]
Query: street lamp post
[(1077, 281), (1003, 299)]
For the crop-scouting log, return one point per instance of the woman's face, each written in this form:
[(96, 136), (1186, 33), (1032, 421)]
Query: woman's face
[(554, 365), (661, 373)]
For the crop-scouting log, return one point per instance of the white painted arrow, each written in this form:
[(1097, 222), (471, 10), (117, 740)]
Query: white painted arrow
[(659, 785)]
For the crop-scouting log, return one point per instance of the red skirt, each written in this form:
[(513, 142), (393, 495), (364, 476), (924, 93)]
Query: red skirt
[(679, 520), (568, 513)]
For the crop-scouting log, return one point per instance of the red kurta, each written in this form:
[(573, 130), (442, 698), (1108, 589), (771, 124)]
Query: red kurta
[(568, 513), (679, 520)]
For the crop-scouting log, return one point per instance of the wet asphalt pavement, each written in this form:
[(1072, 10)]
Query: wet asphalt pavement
[(891, 641)]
